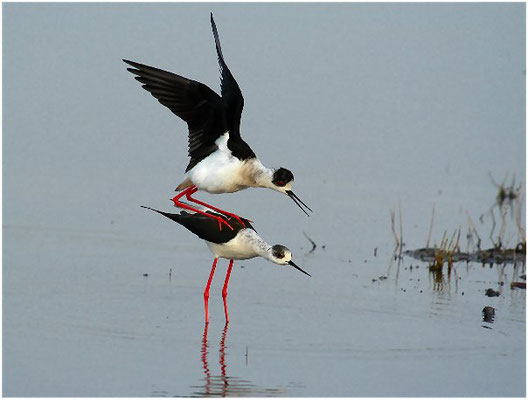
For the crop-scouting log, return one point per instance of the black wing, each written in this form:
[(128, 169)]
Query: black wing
[(195, 103), (231, 93), (206, 228)]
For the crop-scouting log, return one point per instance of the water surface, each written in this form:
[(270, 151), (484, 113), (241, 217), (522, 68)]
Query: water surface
[(370, 105)]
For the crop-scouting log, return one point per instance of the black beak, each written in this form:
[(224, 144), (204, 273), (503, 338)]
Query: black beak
[(299, 268), (298, 201)]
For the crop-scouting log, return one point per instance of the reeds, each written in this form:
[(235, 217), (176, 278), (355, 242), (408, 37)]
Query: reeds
[(444, 253), (508, 200)]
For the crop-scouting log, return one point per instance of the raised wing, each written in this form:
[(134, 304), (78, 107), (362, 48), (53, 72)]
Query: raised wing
[(195, 103), (231, 93)]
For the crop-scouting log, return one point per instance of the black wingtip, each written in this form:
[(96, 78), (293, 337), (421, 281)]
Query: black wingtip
[(217, 40), (213, 25), (174, 217), (153, 209)]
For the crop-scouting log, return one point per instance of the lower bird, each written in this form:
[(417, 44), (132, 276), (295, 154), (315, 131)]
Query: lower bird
[(240, 243)]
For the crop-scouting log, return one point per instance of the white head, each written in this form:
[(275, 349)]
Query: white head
[(281, 255)]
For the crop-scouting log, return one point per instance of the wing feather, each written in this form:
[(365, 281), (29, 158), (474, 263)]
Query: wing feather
[(192, 101), (230, 90)]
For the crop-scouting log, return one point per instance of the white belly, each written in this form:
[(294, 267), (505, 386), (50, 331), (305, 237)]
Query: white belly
[(245, 245), (220, 172)]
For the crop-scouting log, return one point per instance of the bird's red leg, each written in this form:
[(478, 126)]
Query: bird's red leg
[(224, 290), (179, 204), (188, 195), (206, 292)]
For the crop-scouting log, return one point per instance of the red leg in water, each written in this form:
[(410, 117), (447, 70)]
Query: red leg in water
[(222, 360), (206, 292), (205, 364), (179, 204), (194, 189), (224, 290)]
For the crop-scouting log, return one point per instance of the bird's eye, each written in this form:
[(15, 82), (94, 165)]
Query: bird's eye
[(281, 183)]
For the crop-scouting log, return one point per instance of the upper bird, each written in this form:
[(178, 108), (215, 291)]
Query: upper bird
[(241, 243), (220, 161)]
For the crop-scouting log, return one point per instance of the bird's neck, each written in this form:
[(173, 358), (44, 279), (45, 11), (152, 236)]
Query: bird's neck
[(258, 174), (257, 244)]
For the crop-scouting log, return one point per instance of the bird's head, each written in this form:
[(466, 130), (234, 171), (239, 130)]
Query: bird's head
[(281, 255), (282, 181)]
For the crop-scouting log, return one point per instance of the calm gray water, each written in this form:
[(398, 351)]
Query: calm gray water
[(369, 105)]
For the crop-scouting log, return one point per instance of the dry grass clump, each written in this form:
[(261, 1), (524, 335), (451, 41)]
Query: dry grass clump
[(444, 253)]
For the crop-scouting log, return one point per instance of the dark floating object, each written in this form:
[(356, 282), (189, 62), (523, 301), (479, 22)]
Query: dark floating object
[(145, 274), (488, 314), (519, 285), (492, 293), (381, 278)]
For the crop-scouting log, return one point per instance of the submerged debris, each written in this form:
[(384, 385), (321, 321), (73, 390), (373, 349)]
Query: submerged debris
[(314, 246), (509, 199), (489, 256), (488, 314), (519, 285), (492, 293)]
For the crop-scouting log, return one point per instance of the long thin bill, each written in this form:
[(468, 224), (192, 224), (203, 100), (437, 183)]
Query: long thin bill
[(299, 268), (298, 201)]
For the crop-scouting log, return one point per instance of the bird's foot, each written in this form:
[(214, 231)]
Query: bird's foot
[(222, 221), (239, 219)]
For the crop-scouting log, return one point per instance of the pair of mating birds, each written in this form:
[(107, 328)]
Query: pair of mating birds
[(221, 162)]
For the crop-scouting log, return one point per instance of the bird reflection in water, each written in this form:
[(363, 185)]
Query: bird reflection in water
[(223, 385)]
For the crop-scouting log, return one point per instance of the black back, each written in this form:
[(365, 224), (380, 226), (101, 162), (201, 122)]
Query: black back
[(208, 115), (207, 228)]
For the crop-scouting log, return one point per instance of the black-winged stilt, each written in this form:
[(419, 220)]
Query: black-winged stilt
[(240, 243), (221, 162)]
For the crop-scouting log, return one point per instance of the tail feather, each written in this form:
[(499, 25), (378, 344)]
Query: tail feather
[(174, 217), (184, 185), (202, 226)]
